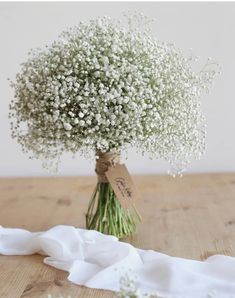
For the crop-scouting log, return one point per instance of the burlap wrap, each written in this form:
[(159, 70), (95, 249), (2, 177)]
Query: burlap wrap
[(103, 162)]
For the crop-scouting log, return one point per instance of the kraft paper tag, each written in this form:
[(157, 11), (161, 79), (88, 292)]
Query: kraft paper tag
[(122, 184)]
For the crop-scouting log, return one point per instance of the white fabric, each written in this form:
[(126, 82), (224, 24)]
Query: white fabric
[(98, 261)]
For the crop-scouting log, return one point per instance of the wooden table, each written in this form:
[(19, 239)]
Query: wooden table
[(191, 217)]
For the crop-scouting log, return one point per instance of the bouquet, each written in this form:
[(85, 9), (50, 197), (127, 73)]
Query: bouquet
[(101, 89)]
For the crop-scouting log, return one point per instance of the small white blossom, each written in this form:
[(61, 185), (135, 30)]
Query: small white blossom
[(71, 114), (67, 126), (98, 117)]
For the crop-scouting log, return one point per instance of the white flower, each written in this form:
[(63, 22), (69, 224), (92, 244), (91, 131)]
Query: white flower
[(98, 117), (119, 87), (71, 114), (67, 126)]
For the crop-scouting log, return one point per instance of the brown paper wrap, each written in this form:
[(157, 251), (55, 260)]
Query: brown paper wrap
[(103, 162)]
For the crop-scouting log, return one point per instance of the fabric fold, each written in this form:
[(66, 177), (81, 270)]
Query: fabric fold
[(99, 261)]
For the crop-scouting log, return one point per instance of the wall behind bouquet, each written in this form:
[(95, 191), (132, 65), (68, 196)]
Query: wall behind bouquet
[(207, 28)]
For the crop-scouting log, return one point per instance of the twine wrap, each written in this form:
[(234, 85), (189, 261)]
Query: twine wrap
[(103, 162)]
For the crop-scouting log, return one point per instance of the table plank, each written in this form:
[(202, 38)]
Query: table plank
[(191, 217)]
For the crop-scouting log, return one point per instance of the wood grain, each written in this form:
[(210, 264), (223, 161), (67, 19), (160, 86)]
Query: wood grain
[(191, 217)]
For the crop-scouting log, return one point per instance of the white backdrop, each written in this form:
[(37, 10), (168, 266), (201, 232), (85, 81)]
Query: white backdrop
[(208, 28)]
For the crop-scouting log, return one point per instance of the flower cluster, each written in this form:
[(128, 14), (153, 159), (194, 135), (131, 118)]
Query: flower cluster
[(105, 87), (129, 289)]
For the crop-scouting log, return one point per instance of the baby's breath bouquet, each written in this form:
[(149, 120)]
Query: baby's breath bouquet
[(102, 88)]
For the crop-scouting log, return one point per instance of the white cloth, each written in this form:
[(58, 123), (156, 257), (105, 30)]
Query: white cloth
[(99, 261)]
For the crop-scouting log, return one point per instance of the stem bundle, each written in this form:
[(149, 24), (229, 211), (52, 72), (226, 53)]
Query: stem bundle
[(105, 213)]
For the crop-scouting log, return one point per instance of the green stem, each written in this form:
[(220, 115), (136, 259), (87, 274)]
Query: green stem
[(109, 217)]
